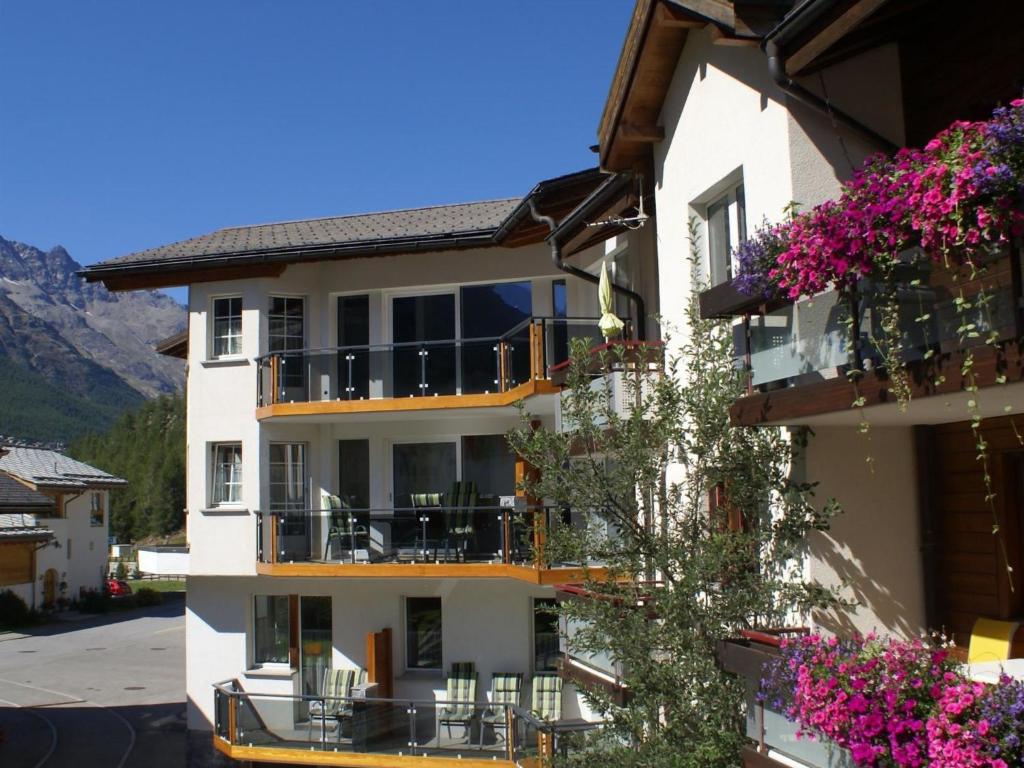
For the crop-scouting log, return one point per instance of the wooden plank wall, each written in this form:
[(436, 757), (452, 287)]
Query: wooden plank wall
[(16, 562), (970, 577)]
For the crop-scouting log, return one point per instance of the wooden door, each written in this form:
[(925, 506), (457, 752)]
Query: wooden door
[(378, 662), (49, 586)]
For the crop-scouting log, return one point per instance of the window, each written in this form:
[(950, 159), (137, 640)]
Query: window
[(726, 222), (286, 333), (545, 635), (271, 626), (315, 622), (489, 311), (96, 510), (423, 633), (227, 326), (227, 473)]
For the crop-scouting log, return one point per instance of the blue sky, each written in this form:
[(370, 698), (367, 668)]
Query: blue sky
[(132, 124)]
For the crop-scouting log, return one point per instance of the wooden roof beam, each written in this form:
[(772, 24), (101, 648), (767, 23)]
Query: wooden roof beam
[(845, 23), (645, 134), (673, 16), (720, 36)]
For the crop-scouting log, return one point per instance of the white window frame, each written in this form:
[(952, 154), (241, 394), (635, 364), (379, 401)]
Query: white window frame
[(305, 319), (731, 196), (255, 662), (214, 451), (213, 328), (304, 449)]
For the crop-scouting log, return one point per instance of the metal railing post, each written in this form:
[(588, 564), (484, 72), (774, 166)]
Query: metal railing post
[(352, 536), (423, 371), (412, 728), (424, 519), (259, 537), (349, 387)]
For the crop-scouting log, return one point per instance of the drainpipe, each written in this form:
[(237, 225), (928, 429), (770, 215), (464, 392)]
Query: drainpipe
[(556, 257), (777, 69)]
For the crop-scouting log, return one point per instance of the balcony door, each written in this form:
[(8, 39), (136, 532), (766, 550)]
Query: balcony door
[(426, 467), (289, 497), (354, 359), (421, 368), (286, 333), (488, 312)]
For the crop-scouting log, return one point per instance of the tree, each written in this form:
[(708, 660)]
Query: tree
[(146, 447), (700, 526)]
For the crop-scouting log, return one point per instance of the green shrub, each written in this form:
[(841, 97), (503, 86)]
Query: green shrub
[(146, 596), (94, 601), (14, 612), (120, 572)]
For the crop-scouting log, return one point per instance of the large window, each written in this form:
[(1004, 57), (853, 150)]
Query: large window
[(315, 623), (428, 369), (423, 633), (489, 311), (490, 462), (227, 473), (227, 326), (545, 635), (726, 222), (271, 626)]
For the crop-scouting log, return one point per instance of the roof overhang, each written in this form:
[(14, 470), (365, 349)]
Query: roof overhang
[(174, 346), (555, 197), (657, 32)]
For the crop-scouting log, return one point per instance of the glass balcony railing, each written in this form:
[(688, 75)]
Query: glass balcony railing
[(808, 340), (504, 734), (434, 534), (766, 726), (525, 353)]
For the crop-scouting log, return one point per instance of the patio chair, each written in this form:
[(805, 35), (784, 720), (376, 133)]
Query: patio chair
[(460, 699), (458, 517), (422, 503), (343, 525), (991, 640), (547, 697), (335, 687), (506, 689)]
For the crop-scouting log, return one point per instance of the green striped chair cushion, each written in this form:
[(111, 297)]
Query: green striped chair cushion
[(460, 694), (547, 697), (427, 499), (332, 501), (506, 688), (337, 685)]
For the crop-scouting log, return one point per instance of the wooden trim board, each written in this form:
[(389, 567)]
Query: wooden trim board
[(527, 573)]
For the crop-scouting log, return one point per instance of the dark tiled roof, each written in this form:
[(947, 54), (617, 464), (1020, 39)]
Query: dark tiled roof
[(416, 223), (49, 468), (16, 497)]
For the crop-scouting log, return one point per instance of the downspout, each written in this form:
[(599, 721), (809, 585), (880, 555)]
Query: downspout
[(556, 258), (777, 69)]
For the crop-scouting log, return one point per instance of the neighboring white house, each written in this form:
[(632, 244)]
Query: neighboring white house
[(75, 516), (375, 359)]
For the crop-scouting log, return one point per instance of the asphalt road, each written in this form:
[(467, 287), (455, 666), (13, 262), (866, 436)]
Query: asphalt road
[(107, 692)]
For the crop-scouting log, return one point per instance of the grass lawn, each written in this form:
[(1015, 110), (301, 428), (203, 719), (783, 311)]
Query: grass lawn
[(160, 585)]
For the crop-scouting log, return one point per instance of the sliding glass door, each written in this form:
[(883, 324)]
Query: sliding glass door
[(487, 312), (429, 369), (354, 334)]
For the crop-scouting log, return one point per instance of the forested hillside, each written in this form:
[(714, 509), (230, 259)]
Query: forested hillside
[(146, 446)]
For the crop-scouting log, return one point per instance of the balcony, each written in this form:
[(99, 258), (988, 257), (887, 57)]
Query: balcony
[(773, 738), (798, 354), (421, 375), (503, 540), (273, 728)]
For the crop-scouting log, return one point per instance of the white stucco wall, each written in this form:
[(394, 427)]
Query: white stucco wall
[(873, 549), (488, 622), (83, 563)]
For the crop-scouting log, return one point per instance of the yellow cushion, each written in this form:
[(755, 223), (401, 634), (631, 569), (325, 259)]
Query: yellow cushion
[(991, 640)]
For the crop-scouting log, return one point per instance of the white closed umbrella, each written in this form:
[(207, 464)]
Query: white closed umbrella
[(609, 324)]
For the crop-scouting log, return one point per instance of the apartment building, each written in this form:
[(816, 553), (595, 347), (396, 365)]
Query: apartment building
[(734, 111), (351, 495)]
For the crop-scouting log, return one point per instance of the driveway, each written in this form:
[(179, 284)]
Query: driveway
[(107, 691)]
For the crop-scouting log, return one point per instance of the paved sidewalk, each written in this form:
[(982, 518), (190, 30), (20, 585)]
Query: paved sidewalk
[(105, 691)]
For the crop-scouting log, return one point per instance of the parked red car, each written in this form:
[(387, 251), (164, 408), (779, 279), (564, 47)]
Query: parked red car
[(118, 588)]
